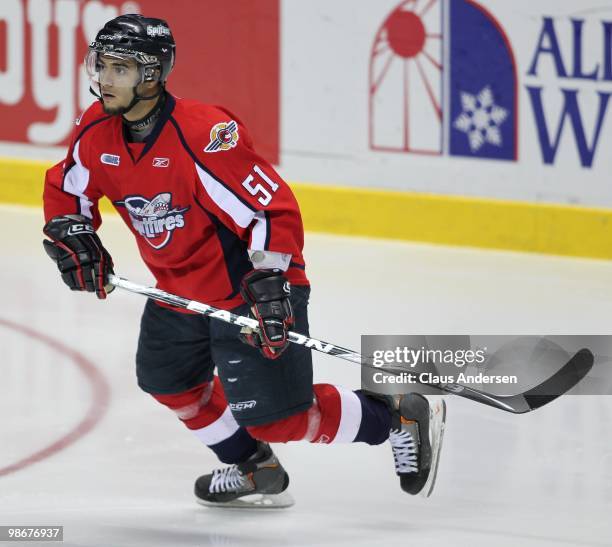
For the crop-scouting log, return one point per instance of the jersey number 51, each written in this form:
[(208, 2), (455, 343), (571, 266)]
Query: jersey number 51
[(265, 197)]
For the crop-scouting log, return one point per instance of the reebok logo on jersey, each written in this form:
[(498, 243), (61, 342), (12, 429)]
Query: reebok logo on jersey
[(161, 162), (155, 219), (110, 159), (223, 136)]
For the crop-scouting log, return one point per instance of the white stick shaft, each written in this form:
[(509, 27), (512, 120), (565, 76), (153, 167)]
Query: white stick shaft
[(562, 381), (229, 317)]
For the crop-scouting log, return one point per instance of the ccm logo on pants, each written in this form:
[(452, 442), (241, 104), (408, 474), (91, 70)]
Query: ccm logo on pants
[(242, 405)]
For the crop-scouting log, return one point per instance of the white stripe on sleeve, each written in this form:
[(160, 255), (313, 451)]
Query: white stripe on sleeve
[(77, 180), (350, 416), (259, 232), (225, 199)]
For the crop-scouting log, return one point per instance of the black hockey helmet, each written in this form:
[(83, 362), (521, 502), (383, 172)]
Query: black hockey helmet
[(147, 40)]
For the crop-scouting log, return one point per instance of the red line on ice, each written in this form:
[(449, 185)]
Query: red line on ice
[(97, 408)]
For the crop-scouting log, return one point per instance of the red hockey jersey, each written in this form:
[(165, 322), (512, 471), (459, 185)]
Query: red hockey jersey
[(196, 196)]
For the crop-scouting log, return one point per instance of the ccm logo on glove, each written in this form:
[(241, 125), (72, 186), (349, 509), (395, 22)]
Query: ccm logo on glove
[(82, 260)]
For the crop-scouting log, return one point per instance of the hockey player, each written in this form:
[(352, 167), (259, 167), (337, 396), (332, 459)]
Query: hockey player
[(213, 222)]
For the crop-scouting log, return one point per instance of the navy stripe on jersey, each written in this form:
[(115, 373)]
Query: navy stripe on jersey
[(268, 231), (206, 169), (125, 135), (234, 249), (164, 116), (90, 125), (79, 136), (76, 180), (260, 233), (296, 265), (161, 122)]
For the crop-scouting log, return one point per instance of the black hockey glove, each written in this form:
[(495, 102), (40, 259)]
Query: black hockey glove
[(78, 252), (267, 292)]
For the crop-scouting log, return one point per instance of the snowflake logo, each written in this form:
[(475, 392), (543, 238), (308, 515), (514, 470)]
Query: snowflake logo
[(481, 119)]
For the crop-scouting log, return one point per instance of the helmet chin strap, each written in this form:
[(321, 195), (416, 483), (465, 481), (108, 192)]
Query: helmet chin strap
[(136, 99)]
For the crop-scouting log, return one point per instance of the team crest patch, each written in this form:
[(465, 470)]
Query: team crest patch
[(154, 219), (223, 136)]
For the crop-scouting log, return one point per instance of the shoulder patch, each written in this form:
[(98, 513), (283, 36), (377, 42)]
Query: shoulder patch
[(223, 136)]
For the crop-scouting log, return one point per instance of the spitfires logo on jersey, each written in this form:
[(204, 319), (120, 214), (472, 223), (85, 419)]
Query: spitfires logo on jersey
[(223, 136), (155, 219)]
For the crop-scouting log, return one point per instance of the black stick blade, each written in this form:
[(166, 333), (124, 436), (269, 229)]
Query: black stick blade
[(560, 382)]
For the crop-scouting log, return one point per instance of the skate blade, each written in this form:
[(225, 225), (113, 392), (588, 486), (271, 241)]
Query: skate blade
[(438, 416), (254, 501)]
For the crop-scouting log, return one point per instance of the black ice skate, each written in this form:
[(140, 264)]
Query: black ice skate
[(417, 429), (260, 482)]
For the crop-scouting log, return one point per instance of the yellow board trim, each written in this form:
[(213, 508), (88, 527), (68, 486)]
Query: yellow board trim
[(454, 220), (448, 220), (22, 181)]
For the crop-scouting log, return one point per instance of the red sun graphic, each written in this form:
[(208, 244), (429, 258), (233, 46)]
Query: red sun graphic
[(406, 86), (406, 33)]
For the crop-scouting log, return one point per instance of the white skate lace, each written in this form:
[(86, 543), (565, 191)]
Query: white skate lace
[(226, 480), (404, 451)]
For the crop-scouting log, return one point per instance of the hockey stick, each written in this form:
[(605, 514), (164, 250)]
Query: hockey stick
[(558, 384)]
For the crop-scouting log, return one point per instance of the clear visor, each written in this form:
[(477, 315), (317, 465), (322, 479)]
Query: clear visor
[(109, 70)]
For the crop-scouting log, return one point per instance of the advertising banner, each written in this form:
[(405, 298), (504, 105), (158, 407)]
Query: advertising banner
[(484, 98), (227, 53)]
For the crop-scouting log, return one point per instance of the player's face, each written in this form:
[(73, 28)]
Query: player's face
[(117, 78)]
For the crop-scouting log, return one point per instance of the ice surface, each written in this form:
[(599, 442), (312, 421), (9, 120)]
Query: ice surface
[(541, 479)]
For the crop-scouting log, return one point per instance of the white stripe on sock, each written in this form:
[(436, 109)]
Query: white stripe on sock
[(222, 428), (350, 417)]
